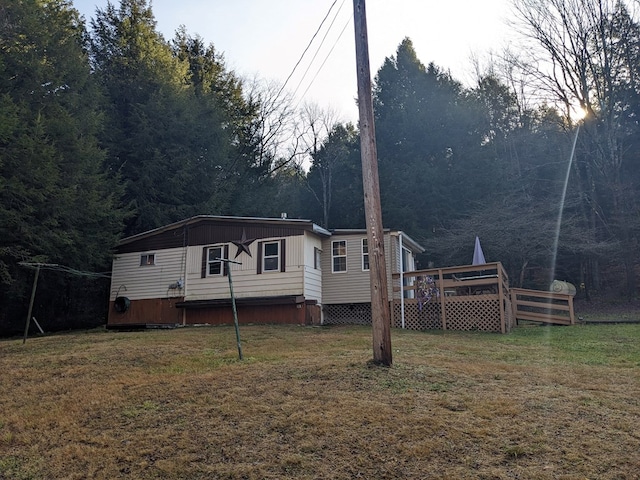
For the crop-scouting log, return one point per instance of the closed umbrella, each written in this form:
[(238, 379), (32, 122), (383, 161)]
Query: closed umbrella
[(478, 255)]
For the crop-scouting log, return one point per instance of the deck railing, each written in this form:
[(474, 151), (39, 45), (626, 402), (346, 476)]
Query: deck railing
[(545, 307), (470, 297)]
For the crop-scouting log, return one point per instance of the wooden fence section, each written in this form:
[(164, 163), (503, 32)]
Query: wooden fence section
[(545, 307), (471, 297)]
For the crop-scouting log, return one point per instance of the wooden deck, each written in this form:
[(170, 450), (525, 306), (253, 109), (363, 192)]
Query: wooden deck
[(472, 297)]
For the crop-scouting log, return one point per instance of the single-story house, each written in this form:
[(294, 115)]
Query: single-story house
[(283, 271)]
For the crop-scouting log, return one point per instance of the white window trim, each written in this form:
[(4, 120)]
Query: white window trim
[(317, 258), (209, 261), (264, 256), (333, 256), (363, 254)]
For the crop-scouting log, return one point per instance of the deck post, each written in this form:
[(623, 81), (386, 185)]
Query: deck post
[(443, 302), (501, 297), (572, 317)]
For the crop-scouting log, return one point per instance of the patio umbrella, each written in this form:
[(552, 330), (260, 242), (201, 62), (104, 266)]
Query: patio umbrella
[(478, 256)]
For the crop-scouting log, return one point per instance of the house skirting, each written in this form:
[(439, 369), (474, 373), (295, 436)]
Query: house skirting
[(152, 311), (347, 314), (291, 310)]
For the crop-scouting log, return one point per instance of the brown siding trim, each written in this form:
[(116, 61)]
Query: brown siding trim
[(221, 302), (209, 232)]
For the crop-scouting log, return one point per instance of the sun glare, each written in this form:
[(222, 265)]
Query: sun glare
[(578, 113)]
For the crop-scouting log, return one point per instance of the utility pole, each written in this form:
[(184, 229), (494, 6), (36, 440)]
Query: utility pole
[(380, 311)]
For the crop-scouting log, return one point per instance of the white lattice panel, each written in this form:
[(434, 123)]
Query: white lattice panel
[(426, 317), (470, 312), (347, 314), (473, 312)]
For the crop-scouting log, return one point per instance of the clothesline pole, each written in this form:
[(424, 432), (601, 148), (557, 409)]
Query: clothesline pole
[(33, 297)]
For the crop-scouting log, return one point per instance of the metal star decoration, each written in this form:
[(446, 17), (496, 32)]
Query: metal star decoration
[(243, 244)]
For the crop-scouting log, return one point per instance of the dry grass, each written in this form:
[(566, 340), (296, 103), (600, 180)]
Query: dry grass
[(540, 403)]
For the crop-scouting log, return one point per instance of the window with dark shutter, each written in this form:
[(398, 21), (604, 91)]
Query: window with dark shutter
[(271, 256), (211, 263)]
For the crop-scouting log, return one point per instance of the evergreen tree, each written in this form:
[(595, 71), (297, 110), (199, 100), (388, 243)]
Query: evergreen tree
[(428, 143), (334, 181), (56, 203), (181, 133)]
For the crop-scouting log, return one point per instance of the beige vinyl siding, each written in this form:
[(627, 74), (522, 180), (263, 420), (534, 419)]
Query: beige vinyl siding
[(352, 286), (395, 261), (395, 253), (247, 282), (148, 281), (312, 276), (391, 268)]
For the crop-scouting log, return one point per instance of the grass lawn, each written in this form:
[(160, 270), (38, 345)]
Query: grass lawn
[(539, 403)]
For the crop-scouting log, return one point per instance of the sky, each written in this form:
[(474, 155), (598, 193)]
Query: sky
[(267, 38)]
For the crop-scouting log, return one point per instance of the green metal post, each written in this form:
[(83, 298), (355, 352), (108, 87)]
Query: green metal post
[(235, 313), (233, 301)]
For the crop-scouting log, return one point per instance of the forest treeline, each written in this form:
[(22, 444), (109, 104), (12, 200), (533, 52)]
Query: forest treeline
[(108, 129)]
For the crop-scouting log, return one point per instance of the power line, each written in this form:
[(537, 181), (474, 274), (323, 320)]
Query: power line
[(305, 50), (324, 61), (319, 47)]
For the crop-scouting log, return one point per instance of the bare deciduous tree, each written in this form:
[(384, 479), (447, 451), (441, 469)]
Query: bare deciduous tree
[(586, 54), (317, 126)]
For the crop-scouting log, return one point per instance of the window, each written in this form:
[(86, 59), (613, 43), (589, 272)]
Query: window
[(214, 266), (147, 259), (365, 254), (339, 256), (211, 266), (271, 257), (317, 258)]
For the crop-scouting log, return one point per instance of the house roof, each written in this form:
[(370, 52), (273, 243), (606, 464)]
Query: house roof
[(208, 229), (293, 222), (409, 242)]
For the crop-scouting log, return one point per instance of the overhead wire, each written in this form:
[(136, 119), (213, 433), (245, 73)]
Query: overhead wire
[(306, 49), (319, 47), (61, 268), (325, 60)]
